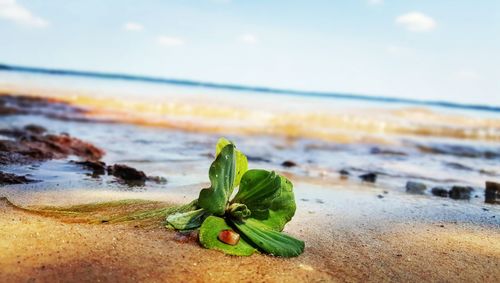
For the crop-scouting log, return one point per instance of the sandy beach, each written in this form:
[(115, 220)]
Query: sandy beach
[(356, 227), (350, 237)]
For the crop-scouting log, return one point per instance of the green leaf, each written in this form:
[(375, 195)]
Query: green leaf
[(241, 160), (268, 240), (282, 208), (238, 211), (209, 233), (221, 174), (187, 220), (257, 191)]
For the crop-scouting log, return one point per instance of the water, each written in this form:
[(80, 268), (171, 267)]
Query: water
[(170, 130)]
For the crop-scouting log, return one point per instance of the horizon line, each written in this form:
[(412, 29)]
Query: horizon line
[(237, 87)]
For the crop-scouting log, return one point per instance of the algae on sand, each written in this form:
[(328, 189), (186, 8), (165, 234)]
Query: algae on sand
[(130, 211)]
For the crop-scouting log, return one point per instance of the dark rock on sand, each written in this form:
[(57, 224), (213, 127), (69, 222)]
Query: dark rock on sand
[(415, 187), (440, 192), (29, 147), (127, 174), (461, 192), (369, 177), (97, 167), (35, 129), (11, 179), (124, 173), (492, 193), (344, 172), (288, 163)]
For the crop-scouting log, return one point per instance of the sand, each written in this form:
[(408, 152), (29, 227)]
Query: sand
[(394, 239)]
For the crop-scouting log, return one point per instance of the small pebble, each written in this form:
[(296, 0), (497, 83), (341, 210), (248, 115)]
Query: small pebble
[(344, 172), (440, 192), (415, 187), (288, 163), (369, 177), (461, 192)]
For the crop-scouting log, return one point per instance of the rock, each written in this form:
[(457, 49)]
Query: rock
[(344, 172), (11, 179), (460, 192), (415, 187), (369, 177), (492, 192), (440, 192), (128, 174), (27, 147), (288, 163), (97, 167), (35, 129)]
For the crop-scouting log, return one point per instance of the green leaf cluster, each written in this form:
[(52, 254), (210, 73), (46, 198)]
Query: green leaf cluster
[(258, 212)]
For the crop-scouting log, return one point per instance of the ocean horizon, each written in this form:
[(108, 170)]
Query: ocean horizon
[(243, 88)]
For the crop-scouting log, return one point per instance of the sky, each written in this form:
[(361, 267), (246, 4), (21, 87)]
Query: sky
[(420, 49)]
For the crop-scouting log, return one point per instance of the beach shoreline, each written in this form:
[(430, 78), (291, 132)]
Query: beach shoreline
[(355, 228)]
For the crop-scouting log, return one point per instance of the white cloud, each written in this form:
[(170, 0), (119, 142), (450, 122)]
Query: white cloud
[(11, 10), (375, 2), (417, 22), (248, 38), (169, 41), (132, 26)]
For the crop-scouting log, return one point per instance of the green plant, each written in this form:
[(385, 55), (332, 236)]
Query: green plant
[(253, 220)]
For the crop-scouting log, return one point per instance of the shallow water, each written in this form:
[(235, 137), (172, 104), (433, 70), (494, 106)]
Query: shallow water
[(170, 131)]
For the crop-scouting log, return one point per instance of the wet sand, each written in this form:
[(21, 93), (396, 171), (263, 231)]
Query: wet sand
[(350, 235)]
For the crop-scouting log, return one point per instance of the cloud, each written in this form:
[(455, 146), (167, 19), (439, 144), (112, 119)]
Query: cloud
[(169, 41), (375, 2), (416, 22), (12, 11), (248, 38), (132, 26)]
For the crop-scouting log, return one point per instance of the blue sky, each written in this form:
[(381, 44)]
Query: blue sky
[(421, 49)]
